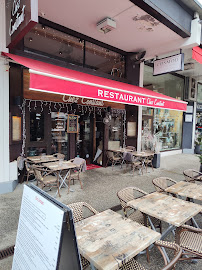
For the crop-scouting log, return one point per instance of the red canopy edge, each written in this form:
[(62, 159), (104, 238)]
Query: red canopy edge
[(197, 54), (54, 79)]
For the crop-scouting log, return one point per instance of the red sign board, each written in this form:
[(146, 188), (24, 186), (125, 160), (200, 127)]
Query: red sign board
[(21, 16)]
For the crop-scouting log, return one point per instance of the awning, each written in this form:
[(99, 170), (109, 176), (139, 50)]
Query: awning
[(197, 54), (54, 79)]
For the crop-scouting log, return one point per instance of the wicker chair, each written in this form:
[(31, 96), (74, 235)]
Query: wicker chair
[(136, 163), (59, 156), (161, 183), (192, 175), (134, 265), (78, 214), (131, 193), (29, 169), (132, 148), (148, 161), (114, 158), (190, 240), (75, 173), (46, 178)]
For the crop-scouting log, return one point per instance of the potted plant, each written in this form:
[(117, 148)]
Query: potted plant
[(200, 158), (198, 142)]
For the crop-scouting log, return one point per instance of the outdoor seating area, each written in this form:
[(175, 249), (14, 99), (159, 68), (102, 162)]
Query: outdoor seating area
[(152, 229), (129, 156), (53, 171)]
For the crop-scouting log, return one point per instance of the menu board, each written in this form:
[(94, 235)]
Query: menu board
[(72, 123), (16, 130), (40, 235)]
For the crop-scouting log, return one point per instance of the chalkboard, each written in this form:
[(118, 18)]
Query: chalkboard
[(46, 237), (72, 123)]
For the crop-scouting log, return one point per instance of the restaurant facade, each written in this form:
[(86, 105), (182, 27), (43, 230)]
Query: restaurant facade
[(69, 93)]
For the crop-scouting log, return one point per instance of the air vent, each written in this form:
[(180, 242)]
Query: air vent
[(106, 25)]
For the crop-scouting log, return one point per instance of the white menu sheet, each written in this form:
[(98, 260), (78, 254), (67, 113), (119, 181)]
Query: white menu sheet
[(39, 233)]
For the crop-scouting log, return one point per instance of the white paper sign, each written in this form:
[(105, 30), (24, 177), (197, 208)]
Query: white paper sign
[(188, 117), (39, 232), (169, 64)]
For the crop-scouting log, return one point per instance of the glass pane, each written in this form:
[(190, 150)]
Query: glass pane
[(59, 142), (168, 128), (115, 133), (60, 45), (36, 127), (84, 142), (166, 84), (104, 60), (199, 96)]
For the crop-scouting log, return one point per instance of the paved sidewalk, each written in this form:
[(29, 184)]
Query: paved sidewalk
[(99, 189)]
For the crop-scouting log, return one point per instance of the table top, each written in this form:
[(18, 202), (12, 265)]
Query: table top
[(59, 166), (42, 159), (108, 239), (142, 154), (134, 153), (167, 208), (190, 190)]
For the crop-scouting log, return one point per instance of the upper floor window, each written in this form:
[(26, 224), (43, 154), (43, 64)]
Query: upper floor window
[(71, 49)]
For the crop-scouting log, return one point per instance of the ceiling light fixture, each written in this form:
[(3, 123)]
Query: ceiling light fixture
[(30, 39), (106, 25)]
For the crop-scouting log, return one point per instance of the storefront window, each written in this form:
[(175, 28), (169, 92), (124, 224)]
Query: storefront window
[(104, 60), (167, 84), (60, 45), (168, 128), (199, 96), (36, 127), (115, 131), (59, 142)]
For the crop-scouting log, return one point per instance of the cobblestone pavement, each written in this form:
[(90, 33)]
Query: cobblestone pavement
[(99, 189)]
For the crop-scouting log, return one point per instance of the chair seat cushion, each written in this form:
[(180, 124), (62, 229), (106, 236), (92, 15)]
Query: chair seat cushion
[(191, 241), (132, 265)]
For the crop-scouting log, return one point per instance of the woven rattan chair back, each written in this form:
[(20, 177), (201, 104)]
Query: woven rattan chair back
[(161, 183), (78, 210), (128, 194), (60, 156), (131, 148), (135, 265), (192, 175), (110, 155)]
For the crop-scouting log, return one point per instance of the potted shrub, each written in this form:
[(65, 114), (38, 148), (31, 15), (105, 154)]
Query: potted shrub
[(198, 142), (200, 158)]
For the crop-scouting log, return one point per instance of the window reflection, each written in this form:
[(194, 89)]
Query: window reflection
[(59, 142), (36, 127), (104, 60)]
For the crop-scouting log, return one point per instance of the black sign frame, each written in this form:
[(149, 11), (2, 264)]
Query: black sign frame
[(72, 123)]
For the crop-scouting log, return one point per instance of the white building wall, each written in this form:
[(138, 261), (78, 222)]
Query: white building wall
[(6, 185)]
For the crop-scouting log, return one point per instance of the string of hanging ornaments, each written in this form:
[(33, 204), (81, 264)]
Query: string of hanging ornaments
[(72, 108)]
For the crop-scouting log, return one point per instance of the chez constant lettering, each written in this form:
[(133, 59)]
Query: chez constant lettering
[(130, 98), (85, 101), (18, 17)]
